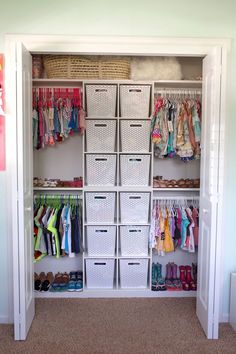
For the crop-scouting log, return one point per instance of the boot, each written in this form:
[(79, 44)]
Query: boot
[(189, 278), (182, 274), (169, 277), (175, 280), (160, 281), (194, 268)]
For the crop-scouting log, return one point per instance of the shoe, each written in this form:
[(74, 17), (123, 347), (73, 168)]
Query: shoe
[(182, 277), (189, 279), (37, 282), (56, 284), (169, 277), (154, 277), (72, 281), (182, 274), (65, 278), (176, 282), (160, 280), (79, 285)]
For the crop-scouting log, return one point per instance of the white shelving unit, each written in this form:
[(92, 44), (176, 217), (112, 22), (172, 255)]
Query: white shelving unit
[(117, 189)]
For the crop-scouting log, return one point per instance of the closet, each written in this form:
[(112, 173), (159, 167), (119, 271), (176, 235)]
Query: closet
[(109, 169), (99, 149)]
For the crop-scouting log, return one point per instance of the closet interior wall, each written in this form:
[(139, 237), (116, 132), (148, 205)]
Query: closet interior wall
[(69, 159)]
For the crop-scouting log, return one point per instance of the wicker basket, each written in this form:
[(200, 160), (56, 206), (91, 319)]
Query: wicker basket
[(79, 67)]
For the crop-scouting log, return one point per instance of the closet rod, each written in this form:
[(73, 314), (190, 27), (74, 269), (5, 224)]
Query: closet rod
[(179, 91), (177, 198), (58, 196)]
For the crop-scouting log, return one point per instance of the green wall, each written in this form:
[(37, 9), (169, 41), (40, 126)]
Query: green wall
[(185, 18)]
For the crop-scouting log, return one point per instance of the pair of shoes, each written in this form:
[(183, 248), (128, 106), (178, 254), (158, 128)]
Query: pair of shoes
[(158, 283), (186, 279), (60, 282), (42, 282), (76, 281), (172, 281)]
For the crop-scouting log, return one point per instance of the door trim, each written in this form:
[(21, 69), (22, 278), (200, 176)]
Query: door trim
[(113, 45)]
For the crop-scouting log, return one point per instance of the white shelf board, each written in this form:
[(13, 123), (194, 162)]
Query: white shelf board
[(176, 189), (101, 152), (100, 224), (45, 80), (86, 256), (58, 189), (135, 152), (118, 189), (116, 293), (133, 224), (134, 257), (128, 81)]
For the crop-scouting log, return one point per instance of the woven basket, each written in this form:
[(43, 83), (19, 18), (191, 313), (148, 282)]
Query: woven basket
[(78, 67)]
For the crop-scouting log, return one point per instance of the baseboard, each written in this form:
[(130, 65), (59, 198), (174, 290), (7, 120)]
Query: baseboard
[(5, 320), (224, 318)]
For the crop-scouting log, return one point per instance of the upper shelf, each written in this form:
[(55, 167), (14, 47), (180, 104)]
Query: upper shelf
[(78, 82)]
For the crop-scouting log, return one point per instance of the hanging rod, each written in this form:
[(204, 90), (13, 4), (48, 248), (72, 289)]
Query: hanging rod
[(57, 196), (177, 198), (179, 91)]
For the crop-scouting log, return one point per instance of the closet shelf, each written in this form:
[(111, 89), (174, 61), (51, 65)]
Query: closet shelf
[(50, 82), (100, 224), (134, 223), (58, 189), (118, 189), (86, 256), (134, 257), (176, 189), (101, 293), (96, 81)]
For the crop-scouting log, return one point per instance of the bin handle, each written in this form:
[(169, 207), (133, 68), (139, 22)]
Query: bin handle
[(133, 263), (100, 197), (98, 263), (100, 90), (100, 159), (100, 230), (135, 90), (100, 125), (137, 160), (136, 230), (135, 125), (134, 197)]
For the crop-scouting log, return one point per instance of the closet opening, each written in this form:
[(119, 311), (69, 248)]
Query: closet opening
[(99, 142), (115, 172)]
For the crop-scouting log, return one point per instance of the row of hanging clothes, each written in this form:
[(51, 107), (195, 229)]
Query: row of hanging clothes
[(176, 124), (174, 224), (57, 114), (57, 226)]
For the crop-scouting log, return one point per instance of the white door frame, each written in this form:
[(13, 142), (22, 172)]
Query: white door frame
[(110, 45)]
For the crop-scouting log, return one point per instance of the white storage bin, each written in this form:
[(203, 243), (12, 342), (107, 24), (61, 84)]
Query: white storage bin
[(135, 170), (100, 170), (100, 135), (135, 135), (101, 240), (100, 207), (134, 240), (101, 100), (100, 273), (134, 207), (133, 273), (135, 101)]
